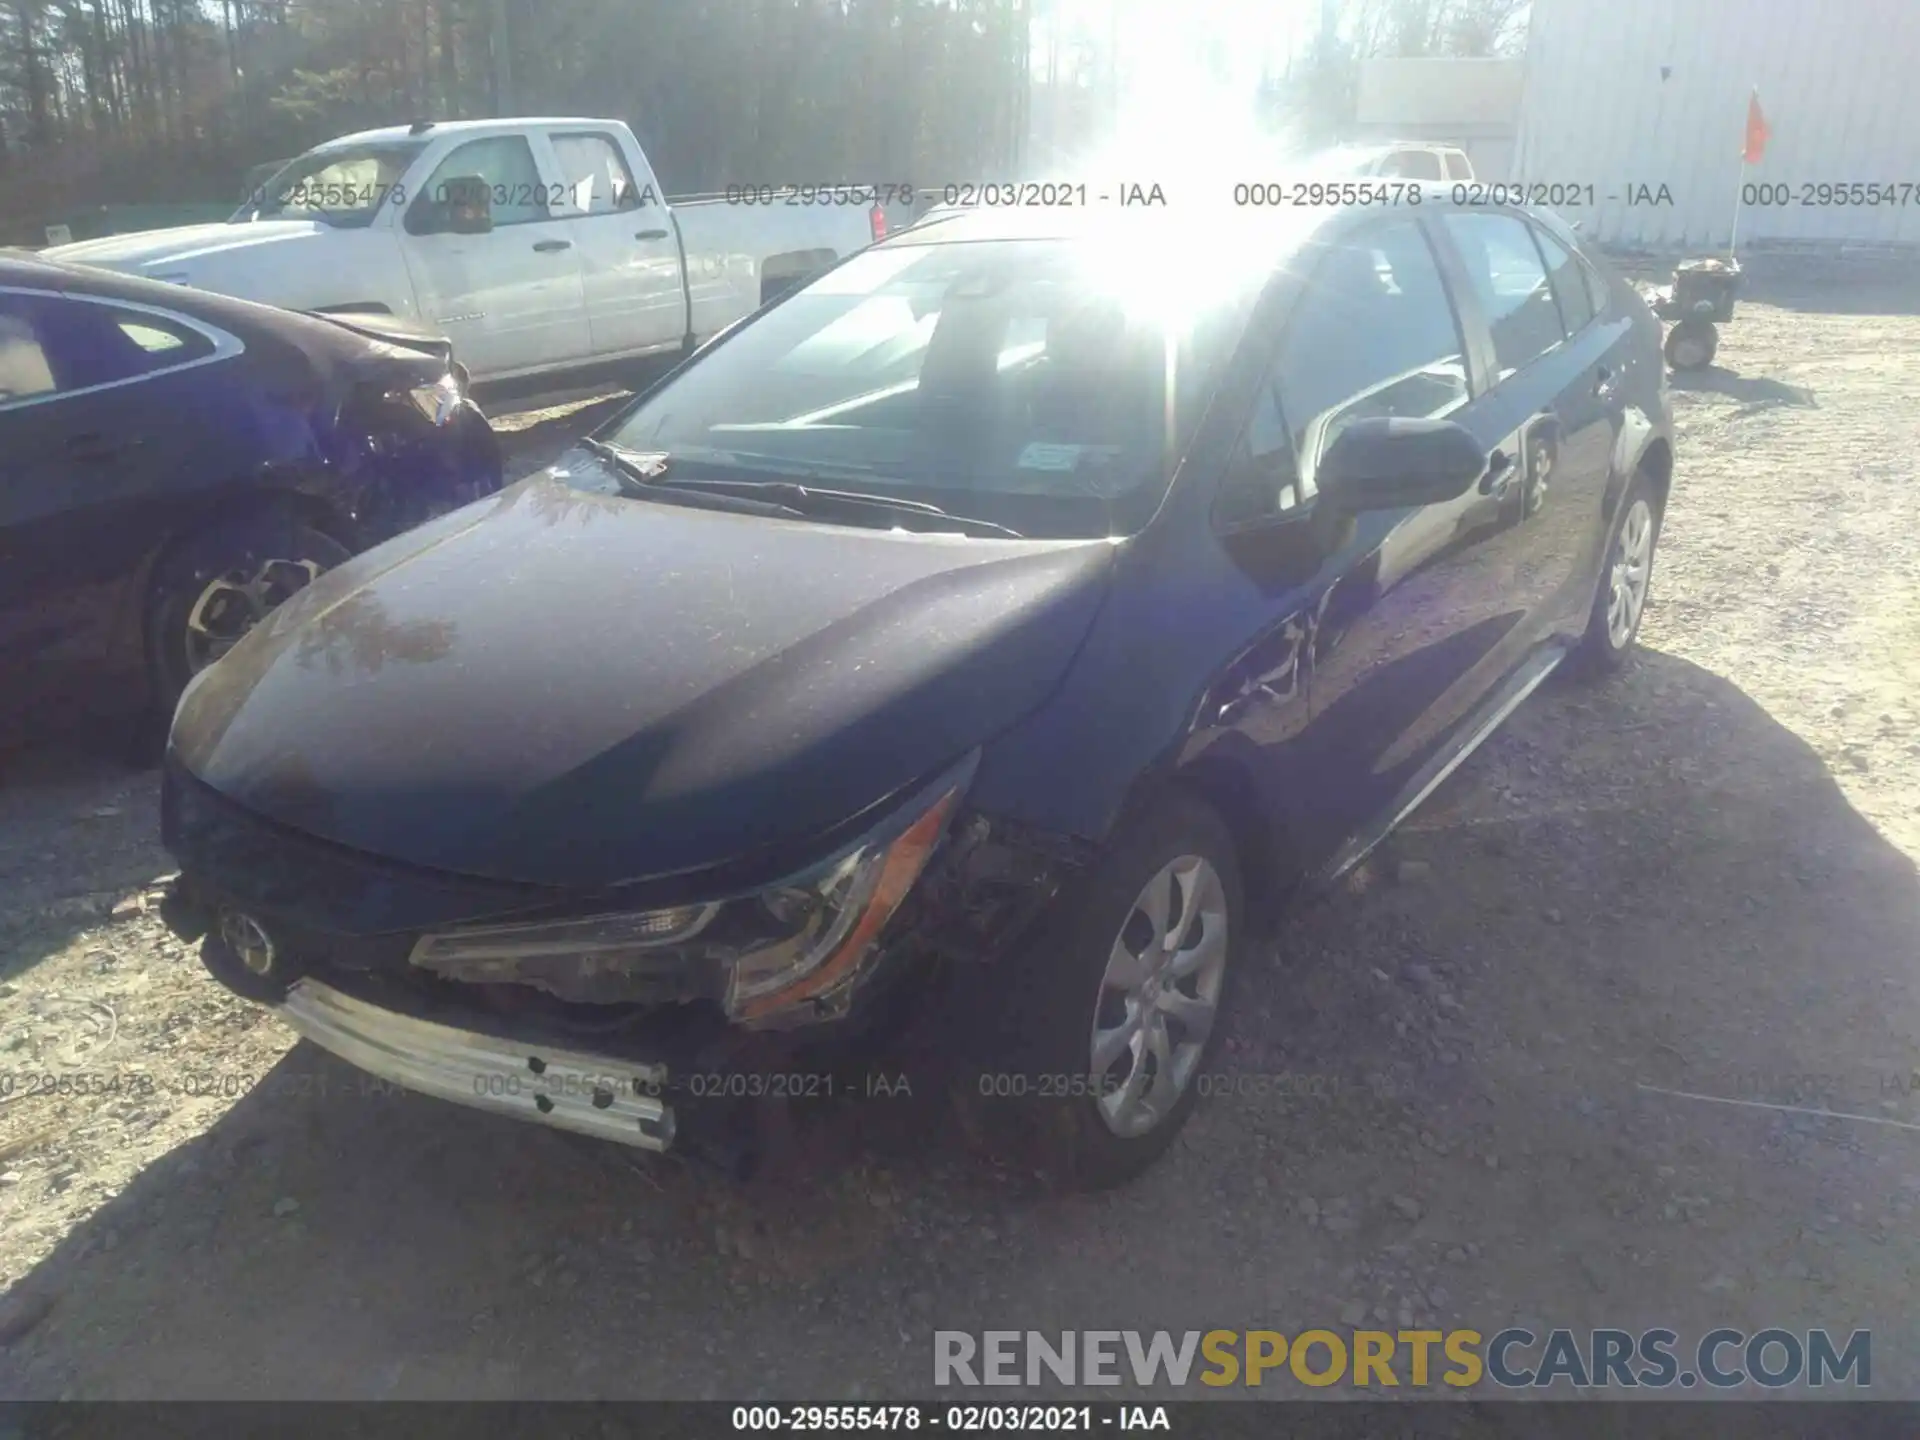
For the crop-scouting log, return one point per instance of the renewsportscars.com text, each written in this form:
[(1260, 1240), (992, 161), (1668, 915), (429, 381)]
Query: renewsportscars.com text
[(1513, 1358)]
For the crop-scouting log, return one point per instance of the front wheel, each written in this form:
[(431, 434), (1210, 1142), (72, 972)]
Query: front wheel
[(1107, 1033)]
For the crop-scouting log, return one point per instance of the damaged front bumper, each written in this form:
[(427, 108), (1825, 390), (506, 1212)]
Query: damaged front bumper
[(325, 937), (599, 1095)]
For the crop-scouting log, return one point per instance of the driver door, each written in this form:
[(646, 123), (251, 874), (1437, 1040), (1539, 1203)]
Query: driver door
[(511, 300)]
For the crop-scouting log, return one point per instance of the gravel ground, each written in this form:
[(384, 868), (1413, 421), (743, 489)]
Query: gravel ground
[(1696, 879)]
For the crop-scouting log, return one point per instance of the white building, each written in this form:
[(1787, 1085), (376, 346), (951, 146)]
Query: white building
[(1633, 96), (1472, 103)]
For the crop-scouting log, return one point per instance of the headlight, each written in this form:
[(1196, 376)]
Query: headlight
[(792, 950), (439, 402)]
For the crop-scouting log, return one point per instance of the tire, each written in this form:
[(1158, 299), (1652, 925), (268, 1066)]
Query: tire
[(1691, 344), (1605, 645), (219, 584), (1045, 1104)]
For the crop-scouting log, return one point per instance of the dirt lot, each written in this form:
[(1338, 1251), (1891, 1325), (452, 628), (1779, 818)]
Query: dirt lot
[(1698, 879)]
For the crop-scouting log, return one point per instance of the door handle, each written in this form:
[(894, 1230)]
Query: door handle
[(1603, 382), (651, 235), (546, 247)]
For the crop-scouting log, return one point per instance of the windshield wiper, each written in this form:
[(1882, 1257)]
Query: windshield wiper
[(813, 498), (651, 470), (635, 471), (793, 490)]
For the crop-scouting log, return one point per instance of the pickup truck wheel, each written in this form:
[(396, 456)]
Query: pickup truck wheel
[(211, 590), (1111, 1022), (1613, 625)]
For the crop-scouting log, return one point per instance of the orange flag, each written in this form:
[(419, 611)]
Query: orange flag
[(1757, 132)]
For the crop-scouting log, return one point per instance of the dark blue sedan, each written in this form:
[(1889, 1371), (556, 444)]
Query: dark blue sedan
[(174, 464), (991, 633)]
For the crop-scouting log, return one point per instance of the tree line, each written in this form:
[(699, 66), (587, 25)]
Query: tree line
[(128, 102), (107, 102)]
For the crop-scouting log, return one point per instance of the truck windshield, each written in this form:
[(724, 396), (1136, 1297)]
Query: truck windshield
[(1015, 381), (344, 187)]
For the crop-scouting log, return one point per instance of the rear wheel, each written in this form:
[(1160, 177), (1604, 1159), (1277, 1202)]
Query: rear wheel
[(1542, 452), (1110, 1029), (1613, 625), (212, 589)]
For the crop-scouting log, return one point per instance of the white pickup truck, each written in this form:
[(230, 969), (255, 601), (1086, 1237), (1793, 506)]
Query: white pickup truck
[(535, 246)]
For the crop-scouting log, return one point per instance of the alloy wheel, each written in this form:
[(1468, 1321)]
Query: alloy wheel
[(233, 603), (1539, 479), (1159, 995), (1631, 567)]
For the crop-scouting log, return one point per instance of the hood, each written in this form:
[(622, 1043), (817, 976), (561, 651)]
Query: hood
[(579, 689), (154, 252)]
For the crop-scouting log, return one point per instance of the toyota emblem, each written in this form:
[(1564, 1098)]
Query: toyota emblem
[(249, 941)]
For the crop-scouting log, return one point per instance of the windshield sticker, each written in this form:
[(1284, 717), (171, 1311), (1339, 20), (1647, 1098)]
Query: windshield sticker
[(1042, 456)]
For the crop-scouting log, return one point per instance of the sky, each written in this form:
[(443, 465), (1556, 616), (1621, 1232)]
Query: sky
[(1247, 36), (1190, 72)]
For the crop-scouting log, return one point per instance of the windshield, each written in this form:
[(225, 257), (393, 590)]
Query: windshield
[(1010, 381), (344, 187)]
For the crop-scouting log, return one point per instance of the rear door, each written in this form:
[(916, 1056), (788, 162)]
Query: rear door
[(512, 299), (629, 260), (1554, 401), (106, 410)]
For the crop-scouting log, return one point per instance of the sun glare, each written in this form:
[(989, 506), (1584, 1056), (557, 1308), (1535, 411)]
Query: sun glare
[(1183, 91)]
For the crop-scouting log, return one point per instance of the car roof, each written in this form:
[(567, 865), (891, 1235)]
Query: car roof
[(1253, 240), (24, 270), (1191, 223), (23, 267), (395, 134)]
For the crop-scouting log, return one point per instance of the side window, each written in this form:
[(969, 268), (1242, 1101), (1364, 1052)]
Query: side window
[(165, 342), (506, 163), (597, 179), (1417, 164), (1373, 335), (1507, 275), (1264, 479), (26, 370), (49, 344), (1458, 167), (1563, 271)]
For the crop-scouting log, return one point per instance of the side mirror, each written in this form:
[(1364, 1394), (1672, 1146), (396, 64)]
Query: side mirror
[(1387, 464), (460, 206)]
